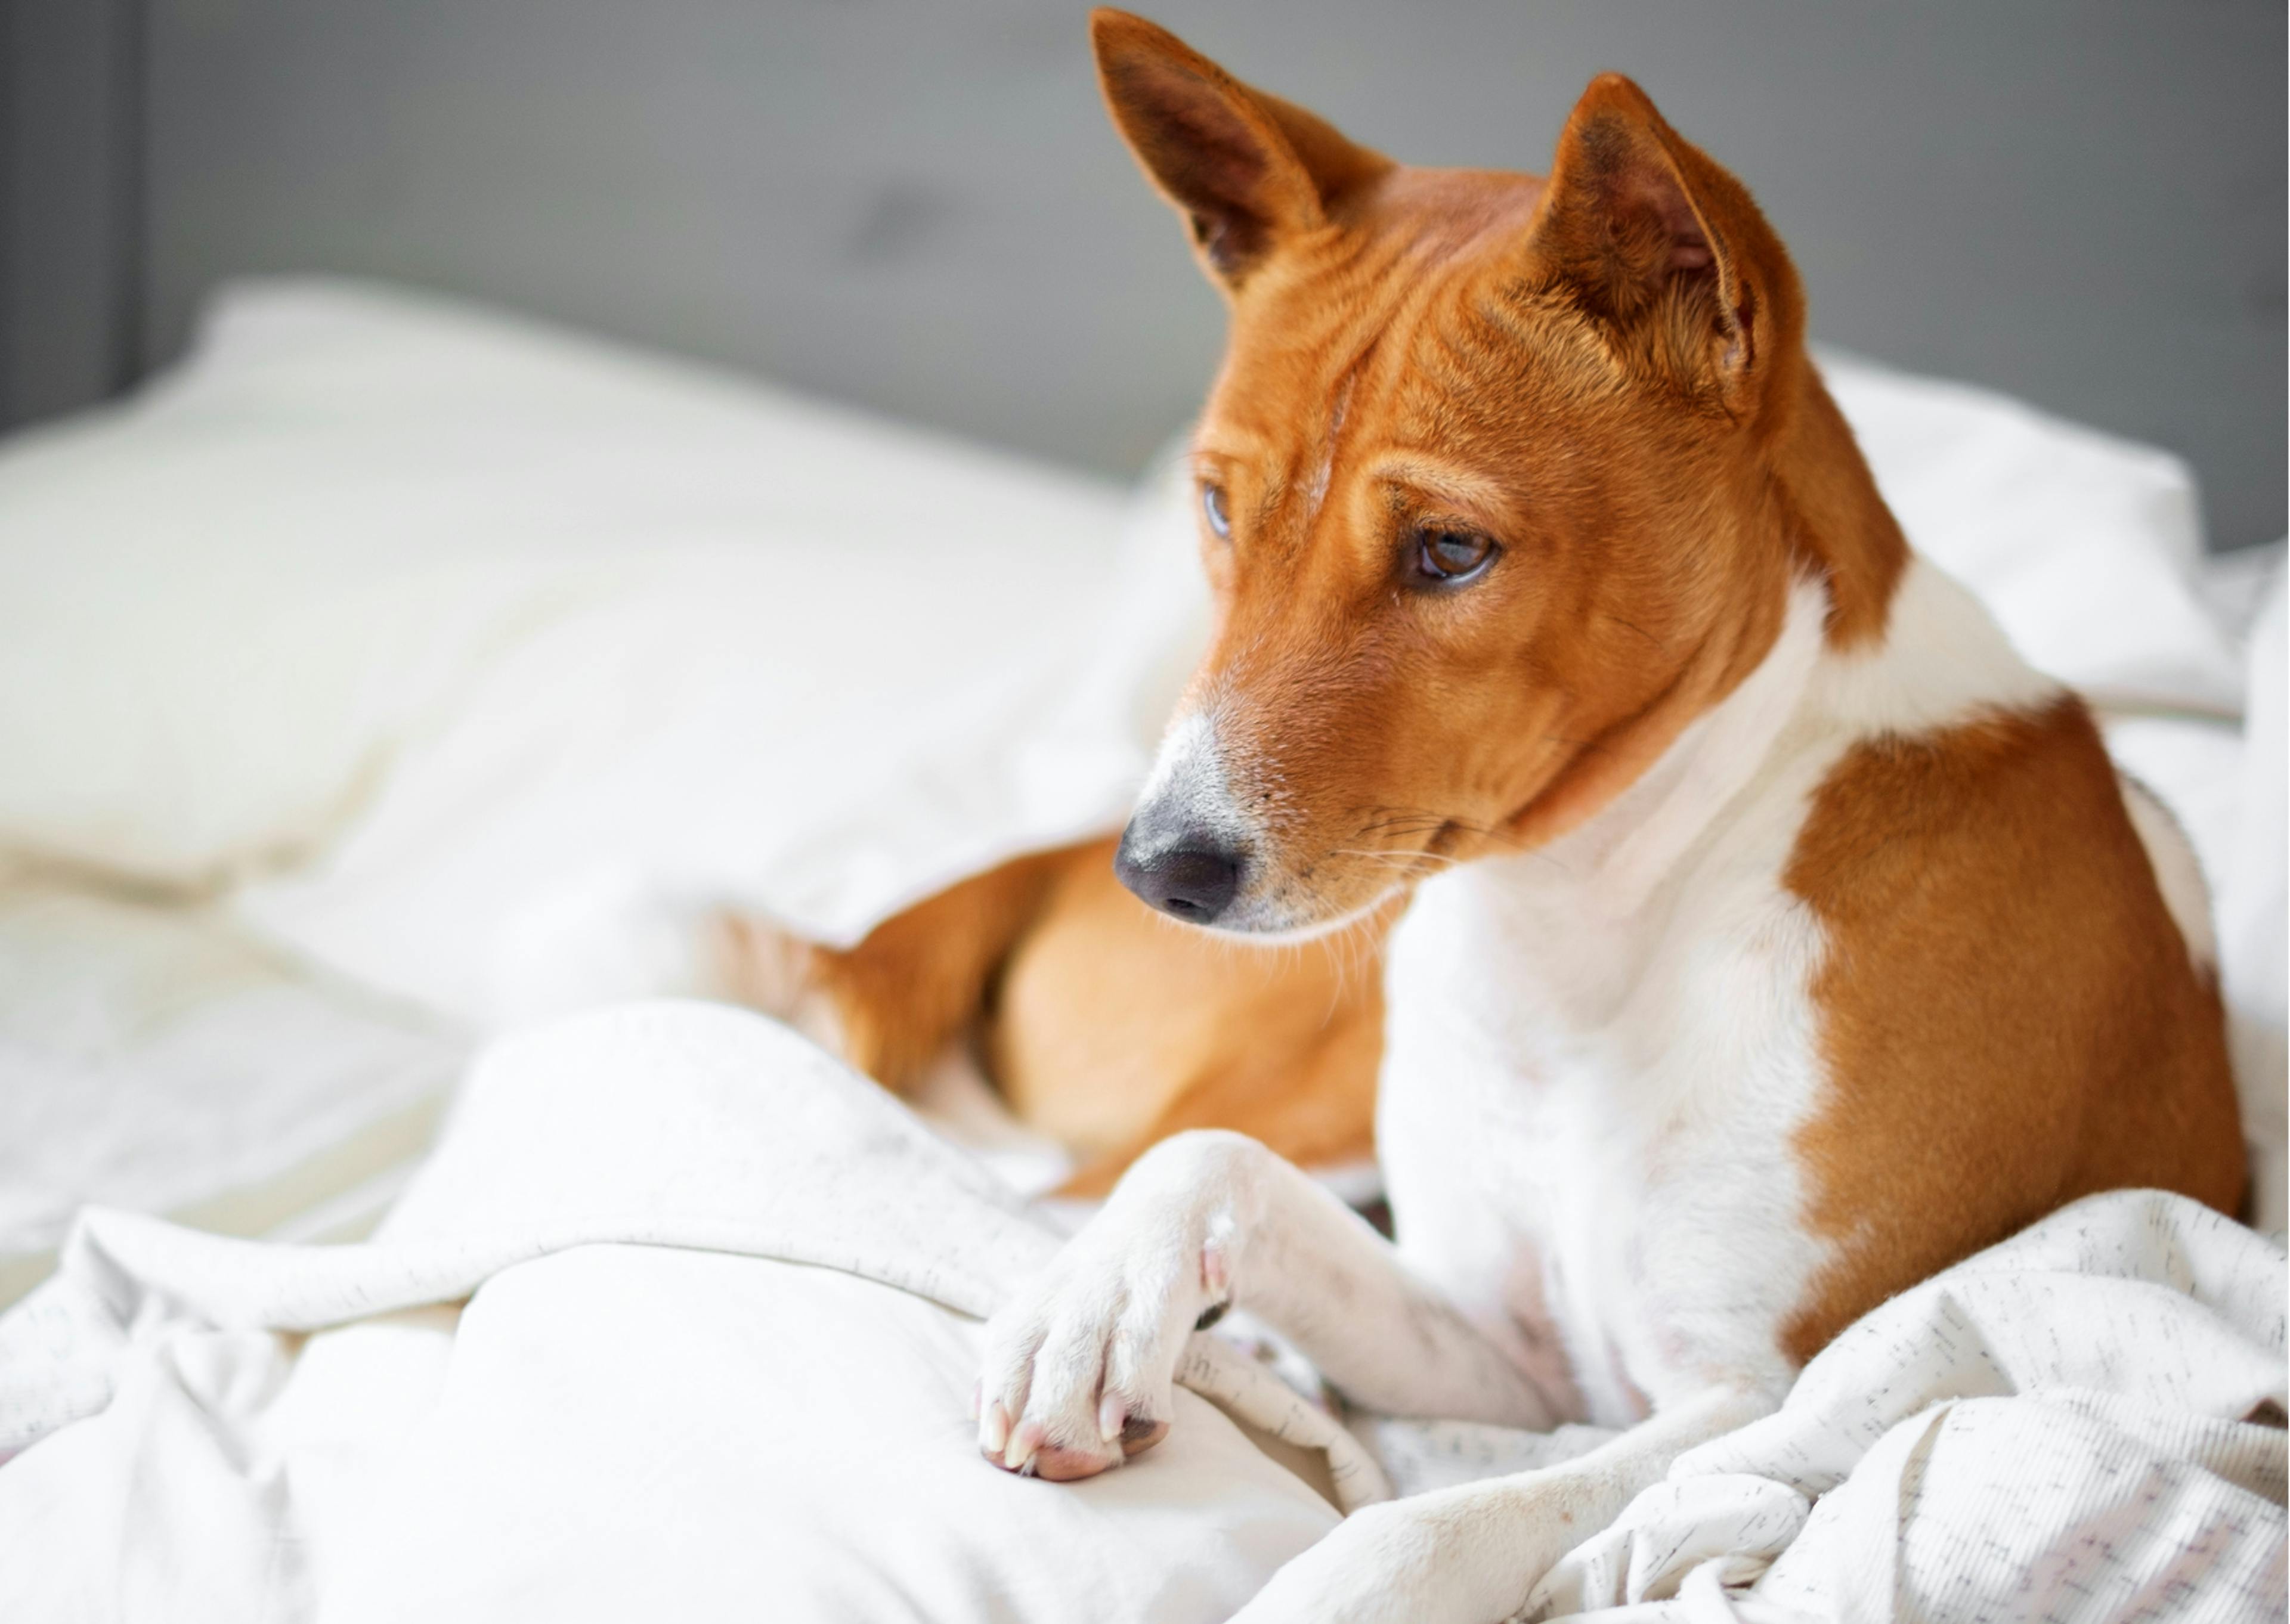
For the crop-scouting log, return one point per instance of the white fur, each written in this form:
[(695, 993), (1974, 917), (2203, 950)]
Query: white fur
[(1188, 792), (1943, 661), (1188, 797), (1317, 492), (1596, 1055)]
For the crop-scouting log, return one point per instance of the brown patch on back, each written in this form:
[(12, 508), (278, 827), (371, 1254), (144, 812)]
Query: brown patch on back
[(2009, 1017)]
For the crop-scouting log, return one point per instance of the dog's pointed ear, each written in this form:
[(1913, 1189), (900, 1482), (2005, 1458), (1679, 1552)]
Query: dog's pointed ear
[(1246, 170), (1654, 237)]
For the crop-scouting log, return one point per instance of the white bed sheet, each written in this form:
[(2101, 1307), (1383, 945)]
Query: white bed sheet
[(152, 1057)]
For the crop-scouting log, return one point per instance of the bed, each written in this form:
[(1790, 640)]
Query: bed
[(350, 661)]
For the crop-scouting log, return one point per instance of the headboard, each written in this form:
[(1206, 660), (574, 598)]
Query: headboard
[(916, 204)]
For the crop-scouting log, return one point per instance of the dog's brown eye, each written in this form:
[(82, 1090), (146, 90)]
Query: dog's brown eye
[(1449, 556), (1213, 504)]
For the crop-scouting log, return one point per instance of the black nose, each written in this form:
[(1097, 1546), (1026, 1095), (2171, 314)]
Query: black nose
[(1191, 881)]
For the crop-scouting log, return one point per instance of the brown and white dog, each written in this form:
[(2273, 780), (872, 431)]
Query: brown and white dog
[(1772, 936)]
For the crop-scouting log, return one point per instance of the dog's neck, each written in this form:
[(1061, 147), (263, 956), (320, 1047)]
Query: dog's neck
[(1621, 856), (1851, 563), (1940, 660)]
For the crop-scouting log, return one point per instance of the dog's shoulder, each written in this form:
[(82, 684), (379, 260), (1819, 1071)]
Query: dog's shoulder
[(2013, 999)]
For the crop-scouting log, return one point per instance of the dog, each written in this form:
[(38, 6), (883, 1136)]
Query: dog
[(1773, 935)]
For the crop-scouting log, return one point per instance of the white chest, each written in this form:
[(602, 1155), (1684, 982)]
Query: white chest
[(1585, 1124), (1596, 1055)]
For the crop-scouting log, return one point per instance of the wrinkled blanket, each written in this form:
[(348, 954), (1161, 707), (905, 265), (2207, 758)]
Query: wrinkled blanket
[(2082, 1423), (717, 1347), (659, 1400)]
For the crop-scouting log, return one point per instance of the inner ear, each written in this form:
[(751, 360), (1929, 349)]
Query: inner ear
[(1620, 212), (1655, 195), (1631, 211), (1223, 171), (1245, 168)]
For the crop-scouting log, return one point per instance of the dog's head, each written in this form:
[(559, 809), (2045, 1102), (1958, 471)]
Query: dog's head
[(1501, 484)]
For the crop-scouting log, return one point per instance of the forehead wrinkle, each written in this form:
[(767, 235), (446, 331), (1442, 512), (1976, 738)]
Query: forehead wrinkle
[(1467, 397), (1369, 309), (1382, 366), (1317, 492), (1274, 356), (1319, 455)]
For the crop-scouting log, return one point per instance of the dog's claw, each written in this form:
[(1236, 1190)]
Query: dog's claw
[(1025, 1443)]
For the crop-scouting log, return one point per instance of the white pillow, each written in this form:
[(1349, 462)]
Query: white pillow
[(229, 606)]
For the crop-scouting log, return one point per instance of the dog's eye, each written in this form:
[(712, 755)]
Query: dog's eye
[(1213, 504), (1451, 556)]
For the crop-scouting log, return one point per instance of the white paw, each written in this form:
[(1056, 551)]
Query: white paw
[(1080, 1365)]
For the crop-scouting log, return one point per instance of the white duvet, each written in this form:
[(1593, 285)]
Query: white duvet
[(387, 636)]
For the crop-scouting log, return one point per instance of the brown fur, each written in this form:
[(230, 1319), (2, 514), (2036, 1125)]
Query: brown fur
[(914, 983), (1116, 1027), (2009, 1017), (1106, 1026)]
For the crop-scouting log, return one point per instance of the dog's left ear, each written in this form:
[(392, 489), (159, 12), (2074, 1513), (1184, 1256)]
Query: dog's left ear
[(1654, 237)]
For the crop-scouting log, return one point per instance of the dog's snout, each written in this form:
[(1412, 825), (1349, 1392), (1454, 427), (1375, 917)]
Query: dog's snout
[(1192, 879)]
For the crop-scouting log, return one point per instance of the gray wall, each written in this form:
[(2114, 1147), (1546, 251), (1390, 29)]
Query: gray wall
[(70, 203), (917, 204)]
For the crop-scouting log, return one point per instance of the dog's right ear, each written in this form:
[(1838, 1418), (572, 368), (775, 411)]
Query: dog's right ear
[(1246, 170), (1646, 228)]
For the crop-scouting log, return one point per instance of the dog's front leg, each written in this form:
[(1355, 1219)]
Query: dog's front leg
[(1474, 1554), (1079, 1367)]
